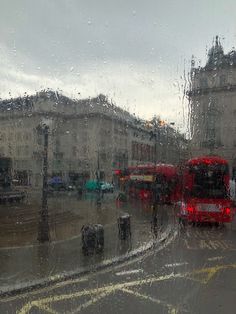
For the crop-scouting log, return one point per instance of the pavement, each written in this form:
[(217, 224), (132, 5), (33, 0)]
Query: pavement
[(33, 265), (67, 214)]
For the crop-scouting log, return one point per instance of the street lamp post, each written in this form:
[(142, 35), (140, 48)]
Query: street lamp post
[(43, 228), (157, 140), (155, 133), (98, 180)]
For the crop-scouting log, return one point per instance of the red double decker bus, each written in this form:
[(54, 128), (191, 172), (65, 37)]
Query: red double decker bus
[(205, 191), (138, 181)]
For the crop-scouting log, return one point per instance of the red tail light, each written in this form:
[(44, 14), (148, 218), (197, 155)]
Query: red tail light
[(190, 209), (227, 211)]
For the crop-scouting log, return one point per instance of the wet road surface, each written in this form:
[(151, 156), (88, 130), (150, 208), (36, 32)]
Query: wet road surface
[(194, 272)]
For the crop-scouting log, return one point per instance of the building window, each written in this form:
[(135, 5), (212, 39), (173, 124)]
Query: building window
[(211, 134), (74, 137), (26, 150), (85, 150), (26, 136), (18, 136), (39, 139), (57, 145), (103, 157), (3, 136), (74, 151), (223, 80), (135, 150), (203, 83), (132, 152), (18, 150), (10, 136)]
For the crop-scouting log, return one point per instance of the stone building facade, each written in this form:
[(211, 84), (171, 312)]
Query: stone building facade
[(212, 99), (84, 136)]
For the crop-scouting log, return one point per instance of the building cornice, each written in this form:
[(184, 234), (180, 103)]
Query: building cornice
[(211, 90)]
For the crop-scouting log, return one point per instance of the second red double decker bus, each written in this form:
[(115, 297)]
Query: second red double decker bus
[(142, 179)]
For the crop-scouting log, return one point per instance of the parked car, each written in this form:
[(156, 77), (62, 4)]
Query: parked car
[(92, 185), (53, 187), (56, 184), (107, 187)]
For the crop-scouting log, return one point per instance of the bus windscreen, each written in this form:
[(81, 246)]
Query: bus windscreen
[(208, 181)]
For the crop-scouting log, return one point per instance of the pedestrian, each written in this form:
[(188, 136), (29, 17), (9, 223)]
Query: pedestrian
[(156, 201), (80, 191), (232, 189)]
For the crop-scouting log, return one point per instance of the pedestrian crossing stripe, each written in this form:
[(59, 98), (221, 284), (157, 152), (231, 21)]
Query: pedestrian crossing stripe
[(209, 244), (204, 234)]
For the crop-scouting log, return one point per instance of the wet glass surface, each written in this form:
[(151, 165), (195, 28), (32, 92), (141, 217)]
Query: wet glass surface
[(117, 156)]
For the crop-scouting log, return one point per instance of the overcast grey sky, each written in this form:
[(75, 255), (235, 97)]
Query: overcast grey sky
[(134, 51)]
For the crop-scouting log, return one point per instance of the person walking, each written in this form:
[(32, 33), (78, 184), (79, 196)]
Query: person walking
[(232, 189), (156, 201)]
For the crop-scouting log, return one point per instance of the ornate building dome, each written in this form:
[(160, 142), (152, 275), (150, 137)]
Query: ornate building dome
[(215, 54)]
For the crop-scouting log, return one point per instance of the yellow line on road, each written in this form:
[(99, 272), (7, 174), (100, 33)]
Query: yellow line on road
[(46, 289), (91, 302), (205, 274), (201, 275), (106, 289), (46, 308), (171, 308)]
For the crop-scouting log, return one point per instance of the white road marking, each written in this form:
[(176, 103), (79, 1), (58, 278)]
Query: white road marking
[(170, 307), (129, 272), (216, 258), (203, 244), (176, 264)]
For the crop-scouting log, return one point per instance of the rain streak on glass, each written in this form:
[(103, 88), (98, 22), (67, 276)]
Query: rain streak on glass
[(117, 156)]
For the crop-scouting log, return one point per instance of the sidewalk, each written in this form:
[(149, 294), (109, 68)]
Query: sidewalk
[(41, 264), (67, 214)]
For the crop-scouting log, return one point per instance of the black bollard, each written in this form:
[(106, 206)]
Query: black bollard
[(124, 226), (92, 239), (99, 231)]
